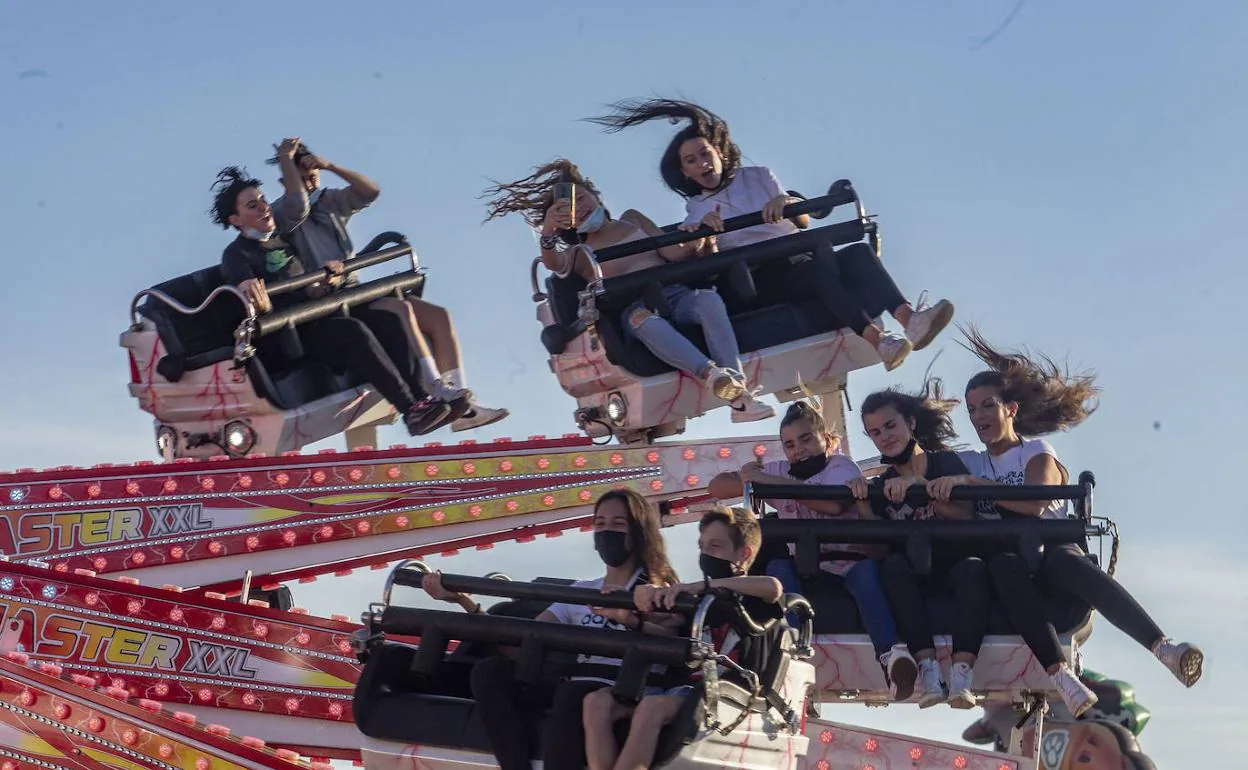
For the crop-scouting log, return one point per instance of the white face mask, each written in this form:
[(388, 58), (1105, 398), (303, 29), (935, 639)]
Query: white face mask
[(315, 195), (258, 235), (594, 222)]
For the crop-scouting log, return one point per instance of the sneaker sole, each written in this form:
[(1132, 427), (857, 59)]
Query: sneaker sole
[(904, 673), (740, 417), (727, 389), (938, 325), (962, 700), (1089, 703), (470, 424), (897, 361), (927, 701), (978, 734), (1191, 666)]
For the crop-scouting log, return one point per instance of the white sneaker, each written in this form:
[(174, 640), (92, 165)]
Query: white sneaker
[(893, 349), (726, 384), (456, 397), (1077, 697), (926, 322), (478, 416), (749, 409), (929, 678), (902, 672), (960, 677), (1184, 660)]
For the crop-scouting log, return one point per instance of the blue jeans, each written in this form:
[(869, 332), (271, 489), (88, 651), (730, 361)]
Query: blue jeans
[(864, 585), (696, 307)]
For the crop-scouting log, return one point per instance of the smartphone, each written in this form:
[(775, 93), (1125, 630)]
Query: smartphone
[(567, 191)]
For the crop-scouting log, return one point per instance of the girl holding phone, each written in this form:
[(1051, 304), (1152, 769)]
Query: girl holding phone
[(567, 208)]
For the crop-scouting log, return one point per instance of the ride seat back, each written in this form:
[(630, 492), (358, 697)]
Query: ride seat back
[(562, 293), (201, 339), (837, 613), (756, 327)]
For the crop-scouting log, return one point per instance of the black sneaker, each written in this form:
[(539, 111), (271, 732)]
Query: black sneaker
[(426, 416)]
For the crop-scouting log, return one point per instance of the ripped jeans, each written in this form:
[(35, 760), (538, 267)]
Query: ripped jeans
[(701, 307)]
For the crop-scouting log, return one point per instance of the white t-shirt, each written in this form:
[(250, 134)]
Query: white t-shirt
[(1010, 467), (750, 189), (583, 616), (839, 470)]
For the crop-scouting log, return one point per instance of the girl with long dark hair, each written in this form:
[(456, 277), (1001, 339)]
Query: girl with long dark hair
[(1011, 405), (914, 433), (812, 456), (703, 165), (628, 540)]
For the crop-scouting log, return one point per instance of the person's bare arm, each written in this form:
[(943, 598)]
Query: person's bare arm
[(753, 473), (1041, 470), (363, 187), (961, 511), (292, 208), (559, 217), (762, 587), (677, 253)]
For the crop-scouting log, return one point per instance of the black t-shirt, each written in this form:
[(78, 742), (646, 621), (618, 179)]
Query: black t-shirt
[(246, 258), (939, 464)]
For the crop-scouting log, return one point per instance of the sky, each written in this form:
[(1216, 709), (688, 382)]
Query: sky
[(1069, 179)]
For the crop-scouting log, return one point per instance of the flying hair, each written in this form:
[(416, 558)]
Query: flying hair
[(1050, 397), (231, 181), (928, 408), (532, 196), (702, 124)]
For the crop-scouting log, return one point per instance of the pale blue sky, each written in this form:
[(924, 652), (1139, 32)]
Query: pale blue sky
[(1071, 185)]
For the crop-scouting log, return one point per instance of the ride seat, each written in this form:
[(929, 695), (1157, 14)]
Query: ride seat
[(279, 372), (837, 613), (194, 341), (756, 329), (392, 703)]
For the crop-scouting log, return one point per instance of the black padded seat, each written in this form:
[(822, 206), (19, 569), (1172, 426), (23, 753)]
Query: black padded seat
[(756, 328), (836, 612), (279, 372), (392, 703), (202, 339)]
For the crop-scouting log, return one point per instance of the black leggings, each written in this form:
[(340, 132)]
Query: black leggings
[(1067, 568), (344, 342), (1023, 606), (510, 712), (391, 330), (563, 738), (851, 284), (967, 580)]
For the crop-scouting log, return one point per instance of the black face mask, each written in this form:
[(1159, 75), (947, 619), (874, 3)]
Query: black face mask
[(804, 469), (715, 568), (902, 457), (612, 547)]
